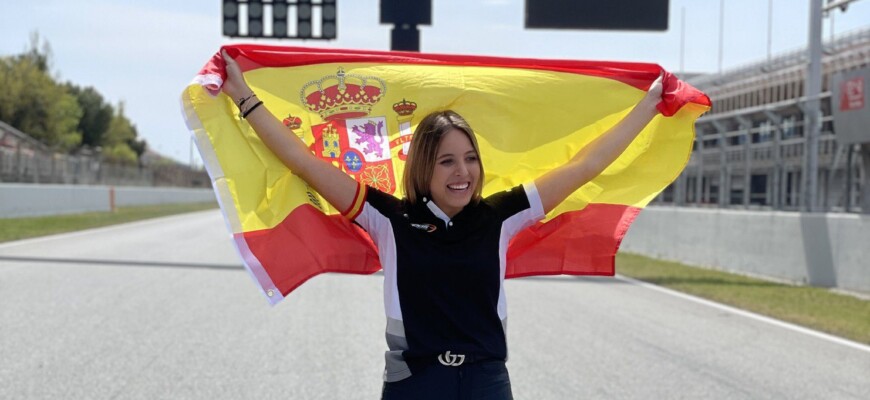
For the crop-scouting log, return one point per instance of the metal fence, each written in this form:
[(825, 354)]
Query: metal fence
[(26, 160)]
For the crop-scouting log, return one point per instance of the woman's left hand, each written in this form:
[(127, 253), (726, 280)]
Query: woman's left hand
[(655, 88), (235, 85), (653, 95)]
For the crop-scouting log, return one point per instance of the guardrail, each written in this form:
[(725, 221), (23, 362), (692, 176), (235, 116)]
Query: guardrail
[(817, 249)]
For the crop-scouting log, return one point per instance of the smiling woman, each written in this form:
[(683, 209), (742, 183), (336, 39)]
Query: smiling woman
[(444, 163), (443, 247), (457, 173)]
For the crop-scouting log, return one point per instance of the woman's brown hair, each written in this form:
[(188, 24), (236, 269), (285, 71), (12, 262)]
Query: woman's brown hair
[(424, 148)]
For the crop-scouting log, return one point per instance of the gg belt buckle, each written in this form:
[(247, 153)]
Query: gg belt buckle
[(451, 360)]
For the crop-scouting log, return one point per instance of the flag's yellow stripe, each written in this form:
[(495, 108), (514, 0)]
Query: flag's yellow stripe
[(527, 122)]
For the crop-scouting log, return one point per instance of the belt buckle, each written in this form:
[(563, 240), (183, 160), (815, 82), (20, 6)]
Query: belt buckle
[(451, 360)]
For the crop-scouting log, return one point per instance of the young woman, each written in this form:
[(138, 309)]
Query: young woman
[(443, 247)]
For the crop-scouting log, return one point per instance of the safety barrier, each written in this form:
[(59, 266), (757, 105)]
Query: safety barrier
[(818, 249)]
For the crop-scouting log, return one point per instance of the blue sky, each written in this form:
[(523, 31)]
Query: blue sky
[(144, 52)]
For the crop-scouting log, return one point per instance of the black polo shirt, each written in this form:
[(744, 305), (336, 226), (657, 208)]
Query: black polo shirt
[(443, 278)]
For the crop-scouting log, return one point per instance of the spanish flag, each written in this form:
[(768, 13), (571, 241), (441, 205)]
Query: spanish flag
[(358, 110)]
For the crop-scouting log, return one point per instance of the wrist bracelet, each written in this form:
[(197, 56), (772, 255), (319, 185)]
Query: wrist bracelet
[(244, 99), (253, 107)]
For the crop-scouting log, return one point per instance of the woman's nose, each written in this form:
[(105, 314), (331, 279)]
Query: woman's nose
[(462, 169)]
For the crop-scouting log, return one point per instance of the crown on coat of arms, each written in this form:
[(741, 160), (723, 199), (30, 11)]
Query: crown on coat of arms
[(348, 96), (292, 122), (404, 107)]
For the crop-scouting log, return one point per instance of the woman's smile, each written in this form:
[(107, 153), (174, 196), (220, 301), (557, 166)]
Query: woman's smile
[(456, 174)]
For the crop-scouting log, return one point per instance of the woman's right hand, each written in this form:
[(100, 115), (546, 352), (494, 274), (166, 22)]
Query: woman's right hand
[(335, 186), (235, 85)]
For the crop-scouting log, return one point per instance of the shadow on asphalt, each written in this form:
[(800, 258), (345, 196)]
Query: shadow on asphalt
[(126, 263)]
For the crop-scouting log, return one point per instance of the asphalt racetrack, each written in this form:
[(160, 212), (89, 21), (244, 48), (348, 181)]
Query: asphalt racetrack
[(162, 309)]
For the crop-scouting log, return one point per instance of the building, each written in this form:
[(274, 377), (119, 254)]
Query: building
[(750, 148)]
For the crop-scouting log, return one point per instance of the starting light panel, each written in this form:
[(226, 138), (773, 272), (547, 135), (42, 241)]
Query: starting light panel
[(290, 19), (633, 15)]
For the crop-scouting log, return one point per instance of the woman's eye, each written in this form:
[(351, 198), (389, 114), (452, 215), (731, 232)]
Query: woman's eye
[(446, 162), (471, 158)]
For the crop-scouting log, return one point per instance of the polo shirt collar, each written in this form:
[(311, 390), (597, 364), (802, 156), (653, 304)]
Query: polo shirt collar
[(436, 211)]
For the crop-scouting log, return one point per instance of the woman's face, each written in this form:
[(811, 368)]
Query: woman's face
[(456, 175)]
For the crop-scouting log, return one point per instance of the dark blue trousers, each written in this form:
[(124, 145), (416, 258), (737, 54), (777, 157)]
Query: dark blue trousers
[(487, 380)]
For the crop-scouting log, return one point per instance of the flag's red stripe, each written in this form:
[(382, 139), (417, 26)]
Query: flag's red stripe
[(639, 75), (308, 243), (581, 242)]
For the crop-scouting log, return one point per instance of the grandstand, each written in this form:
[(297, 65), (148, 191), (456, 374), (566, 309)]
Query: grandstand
[(750, 148)]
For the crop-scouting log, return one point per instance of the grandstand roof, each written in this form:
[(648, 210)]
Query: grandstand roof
[(854, 41)]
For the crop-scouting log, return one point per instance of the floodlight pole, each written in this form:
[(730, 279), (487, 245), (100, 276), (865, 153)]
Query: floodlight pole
[(812, 106), (769, 28), (811, 109), (865, 185), (721, 31)]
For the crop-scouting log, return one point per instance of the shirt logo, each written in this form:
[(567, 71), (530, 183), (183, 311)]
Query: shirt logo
[(425, 227), (451, 360)]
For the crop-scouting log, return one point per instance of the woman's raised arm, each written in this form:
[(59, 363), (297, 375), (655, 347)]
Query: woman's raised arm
[(555, 186), (333, 184)]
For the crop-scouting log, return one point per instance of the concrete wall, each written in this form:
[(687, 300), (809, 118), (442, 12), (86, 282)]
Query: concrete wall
[(24, 200), (131, 196), (828, 250)]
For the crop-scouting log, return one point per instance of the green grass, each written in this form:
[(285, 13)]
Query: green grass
[(22, 228), (816, 308)]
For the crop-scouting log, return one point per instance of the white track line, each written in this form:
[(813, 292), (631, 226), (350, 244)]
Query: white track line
[(747, 314)]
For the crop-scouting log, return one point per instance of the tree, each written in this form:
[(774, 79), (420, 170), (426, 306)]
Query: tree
[(139, 147), (34, 103), (96, 114), (62, 116), (39, 58), (116, 142)]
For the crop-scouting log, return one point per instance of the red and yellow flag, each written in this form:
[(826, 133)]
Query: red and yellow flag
[(358, 110)]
